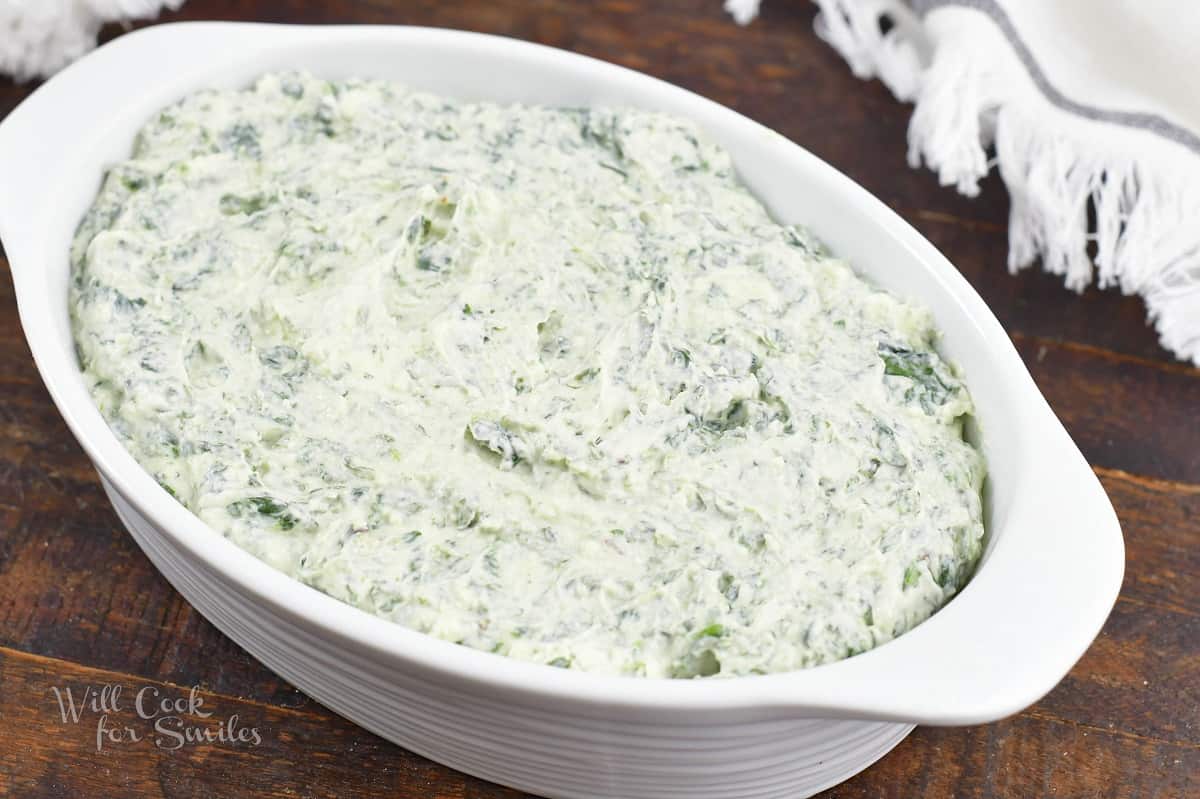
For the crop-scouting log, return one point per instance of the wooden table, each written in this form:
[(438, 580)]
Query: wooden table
[(80, 606)]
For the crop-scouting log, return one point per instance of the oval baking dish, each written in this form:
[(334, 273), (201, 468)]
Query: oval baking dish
[(1046, 582)]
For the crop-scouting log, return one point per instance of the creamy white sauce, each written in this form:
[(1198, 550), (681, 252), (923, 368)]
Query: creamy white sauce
[(545, 382)]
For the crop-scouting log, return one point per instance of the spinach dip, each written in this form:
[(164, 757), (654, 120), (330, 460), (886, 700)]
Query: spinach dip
[(546, 382)]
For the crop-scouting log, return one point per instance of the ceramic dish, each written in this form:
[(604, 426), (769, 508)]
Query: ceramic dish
[(1047, 580)]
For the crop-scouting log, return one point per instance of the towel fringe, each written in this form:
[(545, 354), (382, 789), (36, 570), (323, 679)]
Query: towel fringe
[(1088, 209)]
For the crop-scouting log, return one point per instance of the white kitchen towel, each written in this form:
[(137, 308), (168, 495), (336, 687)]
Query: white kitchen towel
[(1091, 109), (40, 37)]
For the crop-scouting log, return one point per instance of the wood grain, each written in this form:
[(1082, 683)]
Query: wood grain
[(299, 752), (80, 605), (281, 752), (1123, 412)]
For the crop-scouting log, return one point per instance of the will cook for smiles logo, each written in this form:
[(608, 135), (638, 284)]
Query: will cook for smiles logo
[(151, 713)]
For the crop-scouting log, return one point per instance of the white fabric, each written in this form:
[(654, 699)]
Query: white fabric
[(40, 37), (744, 11), (1085, 102)]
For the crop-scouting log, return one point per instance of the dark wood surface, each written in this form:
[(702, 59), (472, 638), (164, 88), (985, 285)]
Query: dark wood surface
[(81, 606)]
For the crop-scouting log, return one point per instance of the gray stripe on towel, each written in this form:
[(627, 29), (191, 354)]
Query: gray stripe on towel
[(1150, 122)]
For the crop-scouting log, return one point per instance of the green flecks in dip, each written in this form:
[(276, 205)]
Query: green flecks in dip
[(544, 382)]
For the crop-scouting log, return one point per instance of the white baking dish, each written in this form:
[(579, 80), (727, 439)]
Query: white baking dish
[(1049, 576)]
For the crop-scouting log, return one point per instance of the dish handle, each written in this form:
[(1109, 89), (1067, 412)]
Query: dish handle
[(1040, 597)]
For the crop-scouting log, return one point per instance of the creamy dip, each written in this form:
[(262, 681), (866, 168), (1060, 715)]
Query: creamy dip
[(545, 382)]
